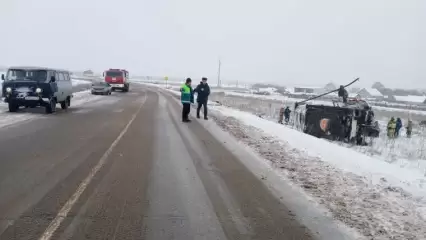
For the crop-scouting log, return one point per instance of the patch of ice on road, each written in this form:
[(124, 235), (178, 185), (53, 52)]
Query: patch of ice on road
[(87, 98), (377, 199)]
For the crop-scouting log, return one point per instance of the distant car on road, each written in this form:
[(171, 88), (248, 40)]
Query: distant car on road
[(102, 88), (36, 86)]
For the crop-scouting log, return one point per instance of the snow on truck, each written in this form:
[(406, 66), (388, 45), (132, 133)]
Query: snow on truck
[(118, 79)]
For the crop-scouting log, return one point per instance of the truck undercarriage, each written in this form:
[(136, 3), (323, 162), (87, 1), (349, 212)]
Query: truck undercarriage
[(350, 122)]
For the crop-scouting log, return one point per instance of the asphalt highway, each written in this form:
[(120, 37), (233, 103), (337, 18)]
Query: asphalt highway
[(130, 169)]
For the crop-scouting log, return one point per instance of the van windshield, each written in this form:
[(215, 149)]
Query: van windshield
[(26, 75), (114, 74)]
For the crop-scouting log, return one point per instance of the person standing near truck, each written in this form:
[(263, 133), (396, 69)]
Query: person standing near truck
[(391, 127), (343, 94), (398, 126), (280, 120), (203, 92), (186, 97), (409, 128), (287, 112)]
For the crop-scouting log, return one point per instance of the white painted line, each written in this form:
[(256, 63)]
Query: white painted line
[(62, 214), (118, 110), (83, 110)]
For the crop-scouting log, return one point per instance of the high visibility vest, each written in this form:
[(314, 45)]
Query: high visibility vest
[(185, 94)]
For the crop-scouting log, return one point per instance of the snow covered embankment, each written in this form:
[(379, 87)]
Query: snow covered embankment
[(404, 152), (378, 200)]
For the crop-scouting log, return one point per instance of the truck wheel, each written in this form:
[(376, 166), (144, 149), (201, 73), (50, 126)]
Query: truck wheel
[(13, 107), (65, 104), (51, 107)]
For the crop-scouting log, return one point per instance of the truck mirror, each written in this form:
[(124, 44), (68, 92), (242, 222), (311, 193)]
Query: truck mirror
[(2, 77), (52, 79), (103, 74)]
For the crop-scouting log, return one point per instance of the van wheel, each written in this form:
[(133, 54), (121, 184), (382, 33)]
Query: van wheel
[(13, 107), (51, 107), (65, 104)]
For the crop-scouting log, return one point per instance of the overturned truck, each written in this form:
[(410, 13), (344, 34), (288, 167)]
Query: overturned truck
[(350, 121)]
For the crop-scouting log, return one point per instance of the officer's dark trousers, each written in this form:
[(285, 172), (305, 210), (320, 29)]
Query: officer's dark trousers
[(185, 111), (204, 104)]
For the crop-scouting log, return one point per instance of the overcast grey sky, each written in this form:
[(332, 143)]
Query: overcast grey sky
[(285, 41)]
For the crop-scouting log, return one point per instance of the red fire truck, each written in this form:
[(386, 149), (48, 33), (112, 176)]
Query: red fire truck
[(118, 79)]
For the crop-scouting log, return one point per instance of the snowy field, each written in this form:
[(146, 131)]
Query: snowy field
[(175, 85), (378, 192), (283, 100)]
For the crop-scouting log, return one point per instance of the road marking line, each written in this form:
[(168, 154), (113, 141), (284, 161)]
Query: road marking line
[(62, 214), (118, 110)]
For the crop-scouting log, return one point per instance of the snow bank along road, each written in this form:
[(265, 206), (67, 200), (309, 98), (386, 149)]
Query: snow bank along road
[(374, 198), (129, 169)]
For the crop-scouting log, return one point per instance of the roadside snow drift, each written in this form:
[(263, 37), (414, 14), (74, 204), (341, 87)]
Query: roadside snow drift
[(376, 199)]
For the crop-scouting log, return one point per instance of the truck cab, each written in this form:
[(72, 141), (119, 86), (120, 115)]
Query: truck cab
[(118, 79)]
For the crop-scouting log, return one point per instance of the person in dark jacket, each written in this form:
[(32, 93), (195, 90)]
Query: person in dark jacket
[(186, 97), (398, 126), (203, 91), (409, 128), (287, 112), (343, 93)]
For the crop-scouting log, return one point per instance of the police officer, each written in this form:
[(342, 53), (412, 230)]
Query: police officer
[(203, 92), (186, 97)]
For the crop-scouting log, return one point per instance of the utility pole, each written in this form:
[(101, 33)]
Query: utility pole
[(218, 75)]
